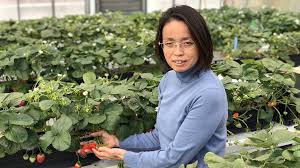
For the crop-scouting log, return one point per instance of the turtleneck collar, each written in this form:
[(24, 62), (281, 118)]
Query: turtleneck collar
[(188, 75)]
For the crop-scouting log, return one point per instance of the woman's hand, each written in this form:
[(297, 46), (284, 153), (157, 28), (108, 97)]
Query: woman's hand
[(109, 140), (105, 153)]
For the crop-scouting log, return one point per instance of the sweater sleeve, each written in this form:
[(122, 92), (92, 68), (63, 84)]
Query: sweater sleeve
[(204, 116), (141, 142)]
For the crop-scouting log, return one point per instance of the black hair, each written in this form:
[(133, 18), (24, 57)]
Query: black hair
[(198, 29)]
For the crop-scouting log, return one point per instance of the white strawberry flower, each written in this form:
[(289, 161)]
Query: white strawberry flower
[(70, 34), (41, 52), (85, 93), (112, 98), (297, 21), (234, 81), (50, 122)]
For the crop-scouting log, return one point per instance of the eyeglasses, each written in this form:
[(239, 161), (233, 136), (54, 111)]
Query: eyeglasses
[(170, 45)]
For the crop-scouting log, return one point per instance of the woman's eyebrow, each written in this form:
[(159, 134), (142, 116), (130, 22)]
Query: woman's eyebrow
[(172, 39)]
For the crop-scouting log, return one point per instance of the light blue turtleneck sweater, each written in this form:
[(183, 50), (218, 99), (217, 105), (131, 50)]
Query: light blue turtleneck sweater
[(191, 121)]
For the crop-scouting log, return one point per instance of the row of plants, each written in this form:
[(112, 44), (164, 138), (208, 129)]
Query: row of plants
[(56, 113), (77, 44), (268, 149)]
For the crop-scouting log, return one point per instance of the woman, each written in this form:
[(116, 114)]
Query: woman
[(192, 110)]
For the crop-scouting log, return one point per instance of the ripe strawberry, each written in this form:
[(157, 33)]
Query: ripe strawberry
[(92, 145), (22, 103), (77, 165), (40, 158), (235, 115)]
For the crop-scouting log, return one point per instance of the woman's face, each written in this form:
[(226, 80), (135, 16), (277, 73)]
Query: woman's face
[(180, 51)]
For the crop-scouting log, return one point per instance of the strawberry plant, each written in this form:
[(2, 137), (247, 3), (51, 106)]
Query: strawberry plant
[(263, 89), (269, 151), (56, 113)]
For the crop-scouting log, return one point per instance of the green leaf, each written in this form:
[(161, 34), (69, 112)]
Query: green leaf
[(3, 96), (294, 147), (263, 157), (20, 119), (111, 122), (33, 113), (48, 33), (134, 104), (89, 77), (297, 154), (120, 57), (289, 82), (295, 91), (46, 104), (215, 161), (4, 121), (31, 142), (270, 64), (62, 141), (113, 109), (96, 118), (288, 155), (16, 134), (63, 124), (14, 98), (102, 53), (137, 61), (147, 76), (282, 136), (250, 74), (46, 140)]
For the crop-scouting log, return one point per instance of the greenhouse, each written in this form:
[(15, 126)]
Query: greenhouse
[(150, 83)]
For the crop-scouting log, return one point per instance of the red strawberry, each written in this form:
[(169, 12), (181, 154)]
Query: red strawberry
[(77, 165), (22, 103), (92, 145), (40, 158), (235, 115)]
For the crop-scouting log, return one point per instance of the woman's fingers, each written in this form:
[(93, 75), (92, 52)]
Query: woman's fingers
[(98, 133), (87, 142)]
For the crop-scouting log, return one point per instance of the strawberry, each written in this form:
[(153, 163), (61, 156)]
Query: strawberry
[(22, 103), (25, 156), (32, 158), (40, 158), (92, 145), (235, 115), (87, 146), (77, 165)]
